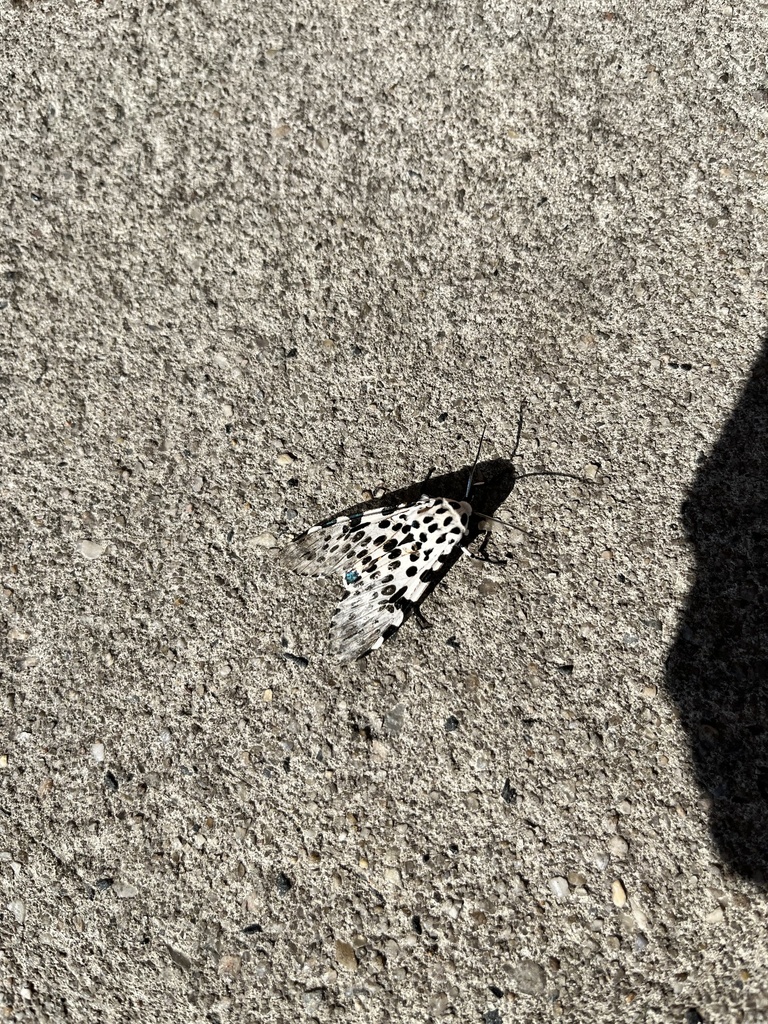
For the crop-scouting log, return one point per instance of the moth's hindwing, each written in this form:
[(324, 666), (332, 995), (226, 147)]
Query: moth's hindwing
[(386, 559)]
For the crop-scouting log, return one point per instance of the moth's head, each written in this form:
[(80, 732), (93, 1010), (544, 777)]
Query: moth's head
[(492, 483)]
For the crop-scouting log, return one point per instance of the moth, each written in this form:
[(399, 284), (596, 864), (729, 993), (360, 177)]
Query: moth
[(386, 559)]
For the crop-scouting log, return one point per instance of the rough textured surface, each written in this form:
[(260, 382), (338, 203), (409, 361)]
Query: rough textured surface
[(258, 263)]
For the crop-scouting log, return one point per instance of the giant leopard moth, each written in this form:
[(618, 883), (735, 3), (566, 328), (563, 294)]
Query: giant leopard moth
[(387, 559)]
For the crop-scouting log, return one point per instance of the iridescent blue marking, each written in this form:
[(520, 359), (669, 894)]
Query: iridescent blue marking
[(352, 576)]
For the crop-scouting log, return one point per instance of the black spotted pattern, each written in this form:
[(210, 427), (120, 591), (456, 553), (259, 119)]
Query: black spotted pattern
[(385, 559)]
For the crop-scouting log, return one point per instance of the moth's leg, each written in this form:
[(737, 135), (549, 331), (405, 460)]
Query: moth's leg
[(502, 522), (426, 479), (480, 553), (421, 622), (482, 557), (519, 430), (487, 537)]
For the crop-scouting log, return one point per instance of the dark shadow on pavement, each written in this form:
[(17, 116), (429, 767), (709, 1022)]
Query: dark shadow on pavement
[(492, 485), (717, 670)]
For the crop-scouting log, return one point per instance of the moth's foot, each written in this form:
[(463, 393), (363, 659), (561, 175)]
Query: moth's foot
[(421, 622)]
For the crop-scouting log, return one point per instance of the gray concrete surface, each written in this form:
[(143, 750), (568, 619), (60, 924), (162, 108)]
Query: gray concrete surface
[(257, 262)]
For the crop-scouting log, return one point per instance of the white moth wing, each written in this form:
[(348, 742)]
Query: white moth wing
[(387, 583), (385, 558), (337, 544)]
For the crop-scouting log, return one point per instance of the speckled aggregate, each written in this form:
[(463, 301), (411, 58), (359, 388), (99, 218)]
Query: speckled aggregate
[(255, 258)]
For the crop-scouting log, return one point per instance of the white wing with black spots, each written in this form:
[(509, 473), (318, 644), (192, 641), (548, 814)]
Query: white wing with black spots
[(386, 559), (335, 544)]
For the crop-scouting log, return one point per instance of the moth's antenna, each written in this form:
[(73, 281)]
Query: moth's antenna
[(474, 464), (519, 430), (542, 472), (552, 472)]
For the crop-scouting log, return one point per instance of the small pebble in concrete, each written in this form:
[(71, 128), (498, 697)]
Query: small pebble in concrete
[(559, 887), (618, 893), (283, 883), (265, 540), (618, 847), (19, 910), (229, 965), (91, 549), (345, 955), (508, 793), (529, 978), (394, 720)]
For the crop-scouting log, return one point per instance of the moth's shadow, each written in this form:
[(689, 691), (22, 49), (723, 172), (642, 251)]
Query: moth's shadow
[(493, 483), (717, 670)]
